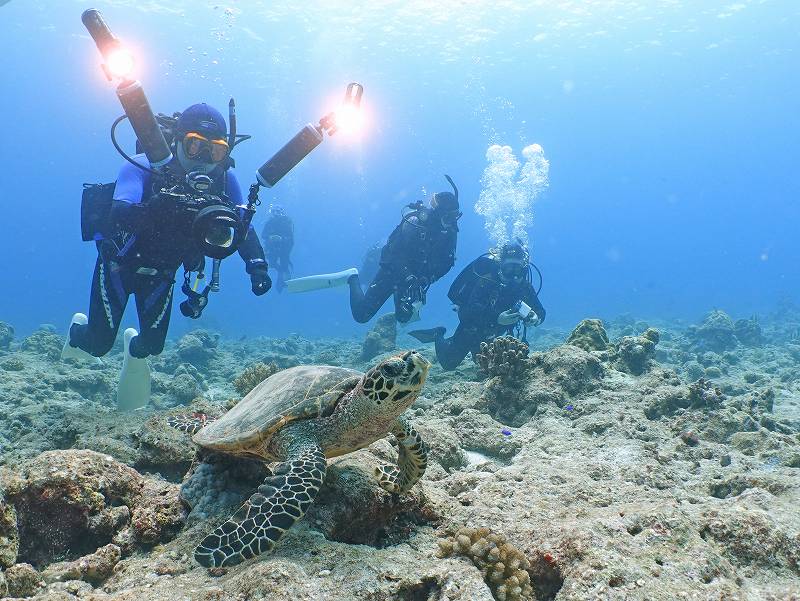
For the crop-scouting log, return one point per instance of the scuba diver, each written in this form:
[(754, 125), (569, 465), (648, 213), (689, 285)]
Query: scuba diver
[(371, 261), (419, 251), (278, 238), (492, 295), (155, 222)]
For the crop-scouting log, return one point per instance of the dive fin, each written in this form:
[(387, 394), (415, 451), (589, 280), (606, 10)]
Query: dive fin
[(319, 282), (429, 335), (73, 352), (134, 379)]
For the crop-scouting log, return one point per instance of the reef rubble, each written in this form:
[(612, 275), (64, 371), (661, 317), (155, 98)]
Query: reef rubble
[(624, 460)]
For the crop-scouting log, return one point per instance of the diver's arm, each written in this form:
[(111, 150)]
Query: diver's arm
[(129, 217), (532, 300), (252, 253), (441, 267), (127, 211)]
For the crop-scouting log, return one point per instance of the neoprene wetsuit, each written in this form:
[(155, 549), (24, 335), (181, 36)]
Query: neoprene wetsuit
[(151, 243), (419, 252), (481, 297), (278, 238)]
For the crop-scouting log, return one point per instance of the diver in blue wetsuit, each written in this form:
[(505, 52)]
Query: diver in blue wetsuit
[(151, 231), (492, 295)]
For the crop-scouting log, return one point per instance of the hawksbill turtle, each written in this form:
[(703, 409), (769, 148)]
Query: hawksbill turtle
[(303, 416)]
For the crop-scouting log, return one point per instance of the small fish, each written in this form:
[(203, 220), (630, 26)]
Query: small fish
[(506, 432), (569, 407)]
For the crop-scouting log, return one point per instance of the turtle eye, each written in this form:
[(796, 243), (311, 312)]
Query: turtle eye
[(393, 369)]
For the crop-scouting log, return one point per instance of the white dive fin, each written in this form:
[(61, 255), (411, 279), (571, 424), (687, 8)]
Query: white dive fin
[(134, 379), (318, 282), (73, 352)]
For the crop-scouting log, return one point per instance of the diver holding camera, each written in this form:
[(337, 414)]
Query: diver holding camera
[(155, 225), (492, 295), (177, 202)]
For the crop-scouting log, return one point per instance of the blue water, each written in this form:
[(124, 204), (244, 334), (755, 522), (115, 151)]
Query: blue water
[(671, 129)]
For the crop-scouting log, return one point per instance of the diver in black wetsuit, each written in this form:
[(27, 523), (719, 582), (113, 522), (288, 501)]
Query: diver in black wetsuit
[(278, 238), (371, 261), (487, 295), (420, 250)]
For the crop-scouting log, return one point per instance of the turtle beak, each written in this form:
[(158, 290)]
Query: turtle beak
[(416, 363)]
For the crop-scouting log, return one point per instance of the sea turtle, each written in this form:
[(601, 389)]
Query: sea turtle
[(302, 416)]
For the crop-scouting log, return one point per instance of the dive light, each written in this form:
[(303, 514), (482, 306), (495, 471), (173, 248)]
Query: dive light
[(118, 65), (306, 140)]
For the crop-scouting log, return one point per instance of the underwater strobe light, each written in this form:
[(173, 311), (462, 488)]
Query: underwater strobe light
[(308, 138), (119, 65)]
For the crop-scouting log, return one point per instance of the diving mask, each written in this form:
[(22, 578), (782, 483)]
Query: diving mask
[(200, 148), (450, 218), (512, 270)]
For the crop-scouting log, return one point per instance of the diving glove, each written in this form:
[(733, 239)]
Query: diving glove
[(508, 318), (260, 283)]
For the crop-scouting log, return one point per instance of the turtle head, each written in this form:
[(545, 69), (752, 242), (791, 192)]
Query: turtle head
[(393, 384)]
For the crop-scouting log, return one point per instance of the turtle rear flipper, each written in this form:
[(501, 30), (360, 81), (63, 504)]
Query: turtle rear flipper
[(412, 459), (191, 423), (281, 500)]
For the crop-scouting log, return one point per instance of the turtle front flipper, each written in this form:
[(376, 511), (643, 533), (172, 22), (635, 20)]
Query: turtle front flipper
[(412, 459), (281, 500), (191, 423)]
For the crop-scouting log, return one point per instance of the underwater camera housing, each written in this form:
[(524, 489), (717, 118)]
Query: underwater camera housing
[(216, 224)]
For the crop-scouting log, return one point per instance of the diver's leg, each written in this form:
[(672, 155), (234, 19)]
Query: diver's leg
[(364, 305), (450, 352), (154, 306), (106, 306)]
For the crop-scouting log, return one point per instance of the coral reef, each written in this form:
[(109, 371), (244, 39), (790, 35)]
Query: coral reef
[(635, 354), (748, 332), (503, 566), (93, 568), (69, 503), (590, 335), (252, 376), (716, 333), (381, 338), (352, 508), (552, 378), (23, 580), (676, 483), (43, 342), (220, 484), (6, 335), (197, 347), (505, 356), (705, 395), (9, 536)]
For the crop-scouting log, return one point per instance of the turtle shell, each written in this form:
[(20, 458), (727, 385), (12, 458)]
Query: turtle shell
[(302, 392)]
